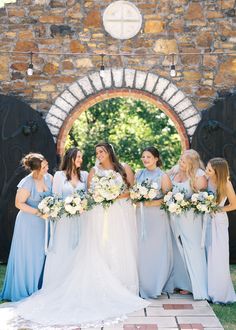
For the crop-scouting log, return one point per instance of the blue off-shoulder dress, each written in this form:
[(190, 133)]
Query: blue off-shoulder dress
[(27, 257)]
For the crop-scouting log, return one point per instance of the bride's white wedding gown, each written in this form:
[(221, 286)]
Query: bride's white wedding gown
[(91, 294)]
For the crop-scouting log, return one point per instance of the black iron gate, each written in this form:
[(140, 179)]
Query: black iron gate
[(215, 136), (22, 130)]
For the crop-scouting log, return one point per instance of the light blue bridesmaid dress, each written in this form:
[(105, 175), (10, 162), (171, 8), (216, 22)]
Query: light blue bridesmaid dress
[(190, 267), (27, 256), (155, 254), (220, 286)]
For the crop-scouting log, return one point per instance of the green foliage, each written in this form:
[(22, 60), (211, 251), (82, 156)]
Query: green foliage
[(227, 313), (2, 274), (129, 125)]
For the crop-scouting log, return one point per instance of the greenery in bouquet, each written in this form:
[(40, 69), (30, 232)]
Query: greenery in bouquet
[(144, 191), (175, 202), (204, 202), (106, 188)]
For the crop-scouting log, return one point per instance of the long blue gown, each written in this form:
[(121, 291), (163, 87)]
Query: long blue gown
[(190, 267), (220, 286), (155, 254), (26, 259)]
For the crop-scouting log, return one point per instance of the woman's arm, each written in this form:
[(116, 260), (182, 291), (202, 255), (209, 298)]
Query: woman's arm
[(231, 198), (173, 171), (57, 184), (90, 176), (130, 180), (166, 184), (22, 195), (129, 174)]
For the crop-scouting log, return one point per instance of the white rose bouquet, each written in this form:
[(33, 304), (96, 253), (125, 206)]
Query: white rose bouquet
[(52, 206), (105, 189), (204, 202), (75, 204), (175, 202), (144, 191)]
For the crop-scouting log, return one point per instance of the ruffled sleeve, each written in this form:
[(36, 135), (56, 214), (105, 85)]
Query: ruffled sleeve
[(26, 183)]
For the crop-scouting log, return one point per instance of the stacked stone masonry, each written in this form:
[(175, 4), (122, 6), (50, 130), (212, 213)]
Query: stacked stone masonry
[(62, 81)]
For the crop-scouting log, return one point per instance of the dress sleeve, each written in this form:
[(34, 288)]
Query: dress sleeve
[(26, 183), (84, 178), (57, 183)]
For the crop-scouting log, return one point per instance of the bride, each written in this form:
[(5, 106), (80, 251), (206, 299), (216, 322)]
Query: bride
[(101, 285), (118, 227)]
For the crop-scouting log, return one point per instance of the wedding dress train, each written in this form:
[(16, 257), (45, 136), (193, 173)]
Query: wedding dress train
[(90, 295)]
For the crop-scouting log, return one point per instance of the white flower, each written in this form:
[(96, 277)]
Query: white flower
[(152, 194), (154, 185), (194, 197), (183, 203), (70, 209), (178, 210), (179, 196), (143, 190), (202, 207), (173, 208), (210, 197), (205, 194), (168, 197), (68, 199)]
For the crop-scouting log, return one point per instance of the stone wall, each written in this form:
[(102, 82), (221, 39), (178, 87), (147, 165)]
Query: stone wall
[(76, 27)]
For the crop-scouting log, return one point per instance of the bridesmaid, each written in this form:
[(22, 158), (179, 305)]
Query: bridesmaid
[(26, 259), (220, 287), (155, 255), (65, 234), (190, 268)]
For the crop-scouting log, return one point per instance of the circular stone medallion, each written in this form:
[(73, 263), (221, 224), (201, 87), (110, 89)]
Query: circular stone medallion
[(122, 20)]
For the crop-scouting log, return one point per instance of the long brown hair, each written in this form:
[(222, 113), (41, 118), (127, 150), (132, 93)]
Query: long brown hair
[(118, 167), (67, 163), (221, 168), (194, 162)]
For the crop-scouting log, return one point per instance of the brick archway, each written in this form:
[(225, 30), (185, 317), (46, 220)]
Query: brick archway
[(93, 88)]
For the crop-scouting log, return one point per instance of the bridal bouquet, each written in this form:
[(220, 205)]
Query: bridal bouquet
[(204, 202), (75, 204), (105, 189), (175, 203), (144, 191), (51, 205)]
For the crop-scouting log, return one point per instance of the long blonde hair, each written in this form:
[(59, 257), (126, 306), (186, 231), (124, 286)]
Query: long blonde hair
[(221, 168), (194, 162)]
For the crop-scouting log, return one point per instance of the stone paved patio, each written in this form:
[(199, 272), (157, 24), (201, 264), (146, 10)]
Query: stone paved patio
[(175, 312)]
